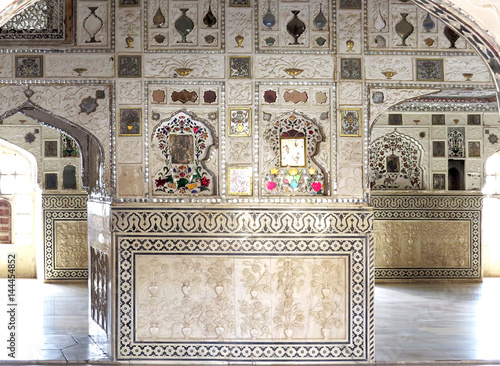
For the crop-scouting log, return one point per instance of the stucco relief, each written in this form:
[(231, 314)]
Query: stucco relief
[(64, 65), (130, 180), (6, 62), (348, 24), (350, 93), (193, 297), (203, 66), (350, 181), (70, 242), (439, 165), (402, 65), (129, 150), (93, 24), (418, 244), (129, 92), (240, 25), (240, 150), (239, 92), (128, 29), (350, 150), (455, 67), (315, 67), (392, 97)]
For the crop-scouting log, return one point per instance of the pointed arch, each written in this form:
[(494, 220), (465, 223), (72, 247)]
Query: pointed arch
[(92, 151)]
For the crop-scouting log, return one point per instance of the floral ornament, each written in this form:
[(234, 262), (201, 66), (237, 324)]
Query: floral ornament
[(190, 176), (294, 181)]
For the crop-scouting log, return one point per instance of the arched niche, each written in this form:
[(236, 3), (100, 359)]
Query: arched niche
[(182, 144), (92, 152), (294, 139), (395, 162)]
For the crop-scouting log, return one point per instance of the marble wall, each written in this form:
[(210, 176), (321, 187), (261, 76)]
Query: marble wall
[(427, 236), (237, 284)]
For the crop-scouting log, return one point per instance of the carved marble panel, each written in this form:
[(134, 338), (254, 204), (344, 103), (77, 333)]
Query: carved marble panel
[(93, 26), (99, 277), (70, 244), (180, 297), (240, 150), (350, 181), (130, 180), (202, 66), (65, 255), (129, 150), (314, 67), (456, 67), (6, 62), (406, 228), (303, 26), (423, 243), (128, 29), (239, 92), (240, 298), (350, 93), (129, 92), (239, 31), (402, 66), (67, 65)]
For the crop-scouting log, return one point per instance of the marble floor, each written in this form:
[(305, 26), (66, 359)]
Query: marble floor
[(416, 323)]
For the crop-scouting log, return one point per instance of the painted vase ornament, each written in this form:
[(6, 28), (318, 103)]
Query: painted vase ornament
[(295, 27), (451, 36), (159, 18), (428, 24), (184, 25)]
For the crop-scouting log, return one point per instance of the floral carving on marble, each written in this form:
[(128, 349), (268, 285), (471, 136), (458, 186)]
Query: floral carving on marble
[(350, 93), (68, 65), (202, 66), (304, 176), (238, 92), (456, 142), (395, 162), (184, 142), (314, 66), (71, 245)]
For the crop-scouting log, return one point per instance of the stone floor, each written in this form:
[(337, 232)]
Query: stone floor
[(416, 323)]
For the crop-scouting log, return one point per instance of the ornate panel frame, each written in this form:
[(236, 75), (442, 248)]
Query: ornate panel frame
[(226, 232), (60, 208), (465, 207)]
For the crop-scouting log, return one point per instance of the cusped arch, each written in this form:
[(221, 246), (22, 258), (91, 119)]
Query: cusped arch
[(92, 152)]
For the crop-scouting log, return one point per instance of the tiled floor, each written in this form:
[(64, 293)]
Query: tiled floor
[(453, 323)]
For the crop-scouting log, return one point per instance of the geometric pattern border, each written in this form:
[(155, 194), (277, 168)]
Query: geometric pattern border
[(460, 208), (50, 217), (227, 221), (427, 202), (64, 201), (357, 348)]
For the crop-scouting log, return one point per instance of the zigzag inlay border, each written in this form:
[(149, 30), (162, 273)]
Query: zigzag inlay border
[(440, 207), (360, 347), (230, 221), (64, 201)]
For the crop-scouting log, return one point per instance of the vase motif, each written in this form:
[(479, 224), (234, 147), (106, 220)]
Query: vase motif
[(209, 19), (320, 20), (379, 22), (159, 18), (451, 36), (295, 27), (93, 24), (428, 24), (239, 40), (269, 19), (184, 25), (404, 29)]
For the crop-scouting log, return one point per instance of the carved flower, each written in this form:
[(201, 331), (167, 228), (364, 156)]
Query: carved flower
[(316, 186), (293, 171), (271, 185), (204, 182)]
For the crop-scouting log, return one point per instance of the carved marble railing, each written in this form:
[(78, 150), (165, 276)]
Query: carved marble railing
[(244, 285), (427, 236)]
